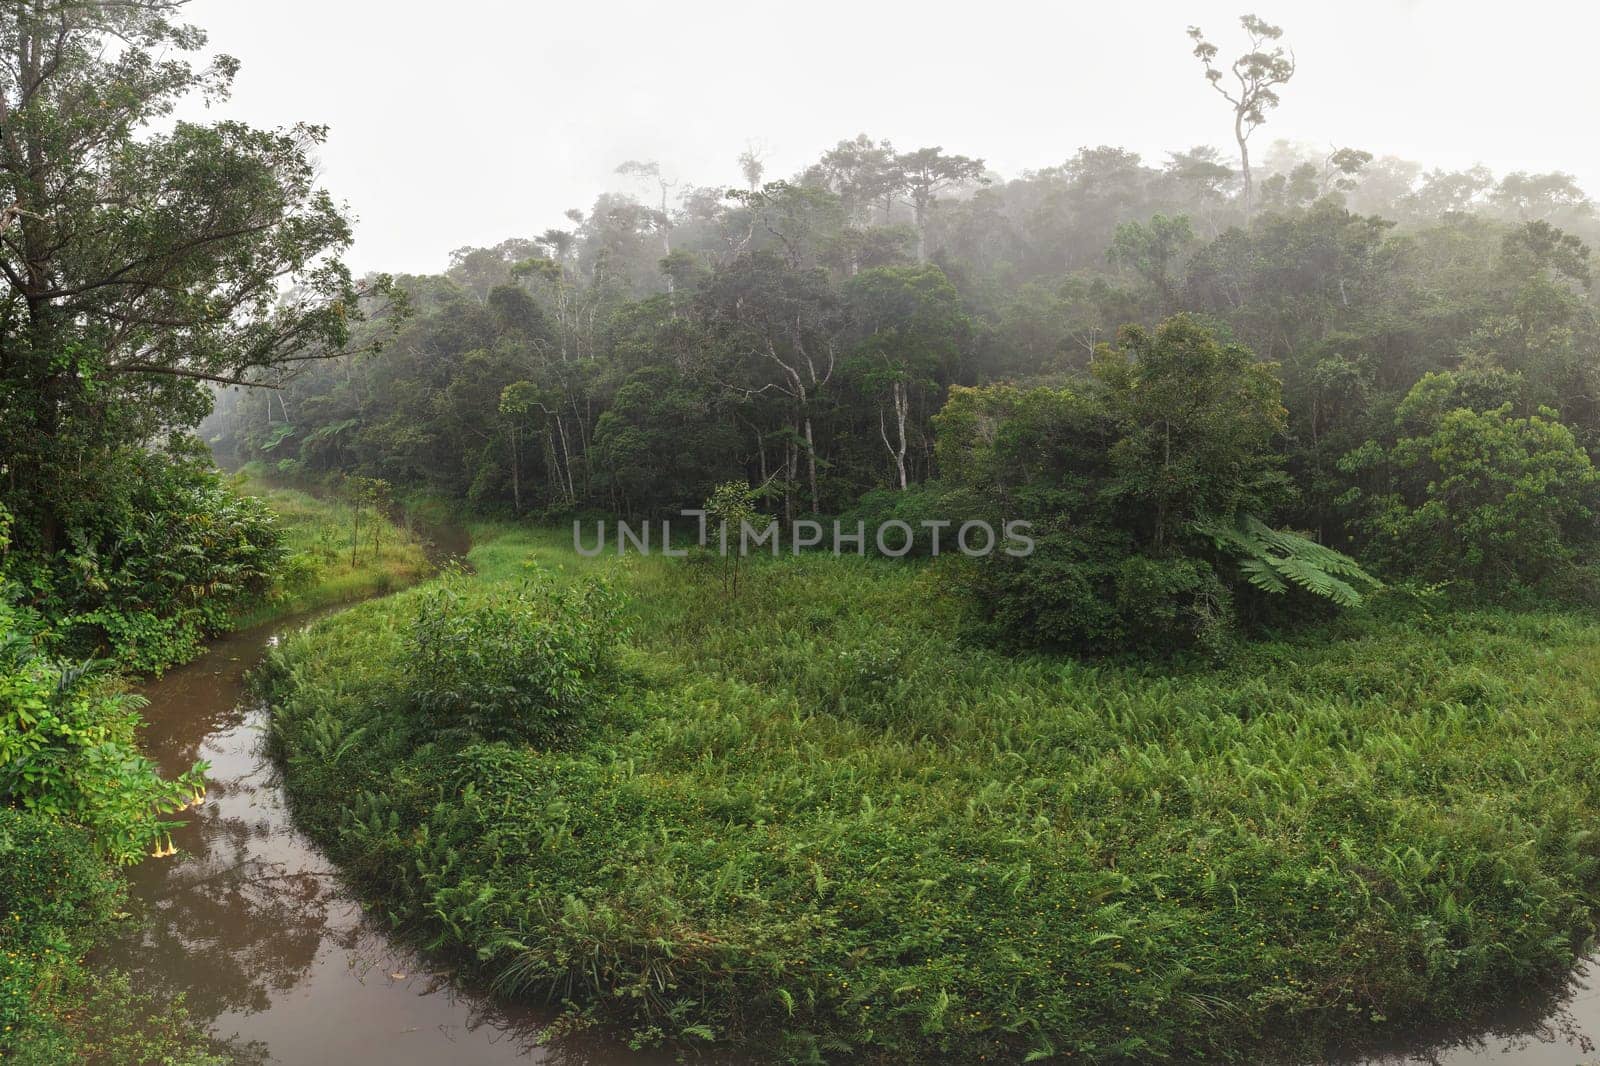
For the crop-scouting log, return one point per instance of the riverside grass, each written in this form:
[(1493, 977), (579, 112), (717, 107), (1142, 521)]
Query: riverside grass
[(318, 570), (812, 823)]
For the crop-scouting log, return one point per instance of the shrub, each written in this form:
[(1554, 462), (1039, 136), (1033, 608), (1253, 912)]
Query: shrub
[(146, 578), (1174, 602), (1482, 498), (68, 751), (55, 891), (523, 661), (1124, 479)]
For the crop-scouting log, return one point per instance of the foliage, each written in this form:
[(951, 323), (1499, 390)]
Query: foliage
[(58, 896), (794, 336), (1195, 421), (819, 826), (1125, 480), (520, 663), (68, 751), (143, 258), (729, 509), (1493, 501), (55, 893), (1274, 559), (145, 579)]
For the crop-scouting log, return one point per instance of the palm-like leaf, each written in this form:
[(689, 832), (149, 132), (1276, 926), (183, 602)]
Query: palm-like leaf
[(1272, 560)]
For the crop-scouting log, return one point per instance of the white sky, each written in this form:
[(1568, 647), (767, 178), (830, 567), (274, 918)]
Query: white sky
[(472, 121)]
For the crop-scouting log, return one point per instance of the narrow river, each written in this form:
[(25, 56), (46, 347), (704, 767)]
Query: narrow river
[(250, 922)]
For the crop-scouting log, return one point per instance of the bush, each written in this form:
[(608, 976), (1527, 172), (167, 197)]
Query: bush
[(68, 750), (927, 502), (1121, 477), (1173, 601), (55, 894), (1492, 502), (519, 662), (145, 578)]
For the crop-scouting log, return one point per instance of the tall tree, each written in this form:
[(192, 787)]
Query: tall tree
[(927, 172), (1257, 74), (138, 263), (911, 327), (649, 170)]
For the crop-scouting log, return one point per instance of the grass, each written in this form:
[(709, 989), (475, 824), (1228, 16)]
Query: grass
[(320, 570), (813, 823)]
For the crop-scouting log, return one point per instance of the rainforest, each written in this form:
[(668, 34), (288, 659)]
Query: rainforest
[(588, 650)]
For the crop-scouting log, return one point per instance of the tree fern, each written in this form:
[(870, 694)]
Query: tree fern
[(1272, 560)]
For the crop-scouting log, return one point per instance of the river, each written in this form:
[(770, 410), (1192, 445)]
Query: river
[(251, 923)]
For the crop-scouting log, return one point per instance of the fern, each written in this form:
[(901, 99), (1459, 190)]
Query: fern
[(1273, 560)]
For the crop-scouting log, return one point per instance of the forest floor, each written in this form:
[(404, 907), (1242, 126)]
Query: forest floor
[(811, 819)]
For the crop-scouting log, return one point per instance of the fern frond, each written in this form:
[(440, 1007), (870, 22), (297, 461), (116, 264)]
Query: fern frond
[(1274, 559)]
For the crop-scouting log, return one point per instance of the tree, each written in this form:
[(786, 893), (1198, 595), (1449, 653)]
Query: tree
[(1153, 251), (730, 507), (911, 328), (778, 326), (926, 172), (1539, 196), (517, 401), (862, 172), (1342, 168), (140, 265), (650, 171), (661, 446), (1482, 497), (751, 167), (1258, 74), (1196, 422)]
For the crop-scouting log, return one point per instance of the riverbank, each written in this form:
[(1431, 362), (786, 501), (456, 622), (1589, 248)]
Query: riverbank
[(807, 819), (60, 896), (331, 558)]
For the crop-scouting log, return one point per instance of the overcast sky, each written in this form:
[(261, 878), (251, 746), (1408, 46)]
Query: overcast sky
[(472, 121)]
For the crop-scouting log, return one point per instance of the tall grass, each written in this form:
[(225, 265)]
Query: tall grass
[(813, 822), (321, 569)]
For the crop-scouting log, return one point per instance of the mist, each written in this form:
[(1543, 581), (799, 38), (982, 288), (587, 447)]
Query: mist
[(484, 120)]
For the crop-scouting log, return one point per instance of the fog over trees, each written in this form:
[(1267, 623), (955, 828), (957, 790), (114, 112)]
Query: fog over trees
[(1246, 713)]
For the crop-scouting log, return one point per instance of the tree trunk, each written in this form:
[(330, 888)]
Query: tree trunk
[(1244, 164), (516, 474), (897, 449), (811, 467), (566, 455)]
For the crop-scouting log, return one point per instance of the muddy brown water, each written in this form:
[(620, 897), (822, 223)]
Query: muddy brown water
[(271, 951), (275, 956)]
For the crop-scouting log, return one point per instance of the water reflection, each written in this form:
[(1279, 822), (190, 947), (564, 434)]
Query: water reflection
[(252, 925), (1538, 1028)]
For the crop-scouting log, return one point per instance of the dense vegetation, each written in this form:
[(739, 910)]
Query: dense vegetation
[(143, 260), (1392, 364), (59, 898), (811, 819), (1144, 791), (78, 800)]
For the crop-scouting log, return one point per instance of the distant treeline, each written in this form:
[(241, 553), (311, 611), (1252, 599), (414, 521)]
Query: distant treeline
[(1417, 384)]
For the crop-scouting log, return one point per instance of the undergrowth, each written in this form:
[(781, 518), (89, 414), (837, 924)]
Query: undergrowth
[(328, 559), (809, 821)]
